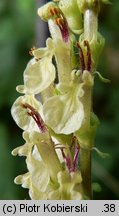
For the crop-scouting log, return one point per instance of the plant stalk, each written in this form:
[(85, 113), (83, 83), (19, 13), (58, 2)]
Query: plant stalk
[(90, 32), (85, 161), (85, 152)]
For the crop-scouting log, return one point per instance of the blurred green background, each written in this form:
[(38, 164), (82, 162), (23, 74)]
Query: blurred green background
[(19, 31)]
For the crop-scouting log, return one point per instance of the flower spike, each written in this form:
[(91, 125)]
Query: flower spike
[(60, 126)]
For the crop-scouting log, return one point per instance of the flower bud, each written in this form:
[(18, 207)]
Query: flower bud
[(89, 4)]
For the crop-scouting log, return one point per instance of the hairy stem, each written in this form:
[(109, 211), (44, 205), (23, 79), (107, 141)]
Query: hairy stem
[(85, 153), (85, 161)]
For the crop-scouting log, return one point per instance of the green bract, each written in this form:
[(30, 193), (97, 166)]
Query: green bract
[(102, 79)]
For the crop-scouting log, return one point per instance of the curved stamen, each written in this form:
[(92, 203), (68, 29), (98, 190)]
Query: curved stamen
[(67, 159), (89, 61), (75, 160), (72, 166), (81, 55), (31, 111)]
